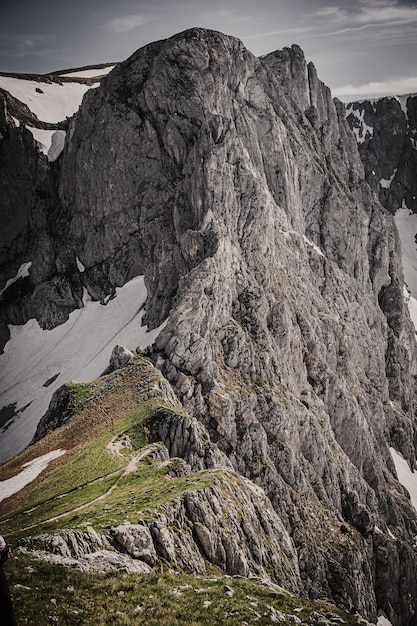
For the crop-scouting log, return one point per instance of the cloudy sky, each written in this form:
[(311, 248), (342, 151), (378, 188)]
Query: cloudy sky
[(361, 48)]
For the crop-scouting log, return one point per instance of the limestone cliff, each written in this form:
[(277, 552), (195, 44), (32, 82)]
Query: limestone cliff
[(235, 186)]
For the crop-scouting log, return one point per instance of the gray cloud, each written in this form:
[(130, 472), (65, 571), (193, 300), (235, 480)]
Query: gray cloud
[(366, 12), (24, 45), (398, 86), (126, 23)]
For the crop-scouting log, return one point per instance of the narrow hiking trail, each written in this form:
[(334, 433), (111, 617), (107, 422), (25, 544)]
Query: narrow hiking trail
[(129, 469)]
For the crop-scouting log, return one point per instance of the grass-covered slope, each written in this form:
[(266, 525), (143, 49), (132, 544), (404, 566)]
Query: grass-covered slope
[(45, 592), (95, 465)]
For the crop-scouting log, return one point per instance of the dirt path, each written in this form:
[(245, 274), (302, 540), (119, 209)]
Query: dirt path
[(129, 469)]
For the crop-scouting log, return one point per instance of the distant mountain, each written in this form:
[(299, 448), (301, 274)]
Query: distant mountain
[(386, 133), (45, 102), (209, 211)]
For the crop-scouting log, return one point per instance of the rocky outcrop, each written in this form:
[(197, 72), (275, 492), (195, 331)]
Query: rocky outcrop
[(187, 439), (241, 197), (86, 551), (231, 524), (386, 132)]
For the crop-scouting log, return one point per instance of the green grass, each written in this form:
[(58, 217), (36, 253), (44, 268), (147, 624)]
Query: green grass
[(33, 521), (92, 472), (145, 493), (41, 591), (79, 394)]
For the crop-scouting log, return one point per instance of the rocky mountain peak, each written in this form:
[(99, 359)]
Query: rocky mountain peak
[(234, 185)]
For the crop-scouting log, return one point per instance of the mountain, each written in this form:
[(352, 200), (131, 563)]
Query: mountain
[(218, 200), (386, 132)]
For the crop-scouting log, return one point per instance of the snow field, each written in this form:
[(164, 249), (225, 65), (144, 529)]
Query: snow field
[(32, 470), (407, 478), (55, 102), (78, 350)]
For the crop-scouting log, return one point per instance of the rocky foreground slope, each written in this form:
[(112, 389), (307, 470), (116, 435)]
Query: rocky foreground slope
[(234, 185)]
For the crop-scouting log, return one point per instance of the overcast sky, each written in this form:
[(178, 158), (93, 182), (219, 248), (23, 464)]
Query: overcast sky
[(361, 48)]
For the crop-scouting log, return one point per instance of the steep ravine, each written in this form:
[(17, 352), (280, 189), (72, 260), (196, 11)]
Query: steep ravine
[(235, 186)]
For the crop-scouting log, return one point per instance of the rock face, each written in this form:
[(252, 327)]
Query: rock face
[(33, 231), (386, 131), (235, 186), (231, 524), (86, 551)]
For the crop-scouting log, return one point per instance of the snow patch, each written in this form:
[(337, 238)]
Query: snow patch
[(32, 470), (50, 142), (79, 350), (42, 137), (54, 103), (403, 103), (406, 223), (361, 129), (407, 478), (81, 267), (412, 306), (386, 183), (383, 619), (21, 273), (312, 245)]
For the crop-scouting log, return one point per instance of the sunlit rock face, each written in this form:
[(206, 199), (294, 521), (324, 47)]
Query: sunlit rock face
[(234, 184)]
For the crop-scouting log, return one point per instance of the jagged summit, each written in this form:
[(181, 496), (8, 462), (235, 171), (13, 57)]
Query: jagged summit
[(273, 274)]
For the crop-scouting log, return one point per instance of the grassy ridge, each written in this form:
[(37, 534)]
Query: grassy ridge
[(74, 598), (114, 406)]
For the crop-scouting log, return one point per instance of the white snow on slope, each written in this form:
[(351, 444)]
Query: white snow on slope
[(406, 477), (362, 129), (312, 245), (21, 273), (403, 101), (78, 350), (412, 306), (386, 182), (32, 470), (407, 228), (383, 620), (51, 142), (55, 103)]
